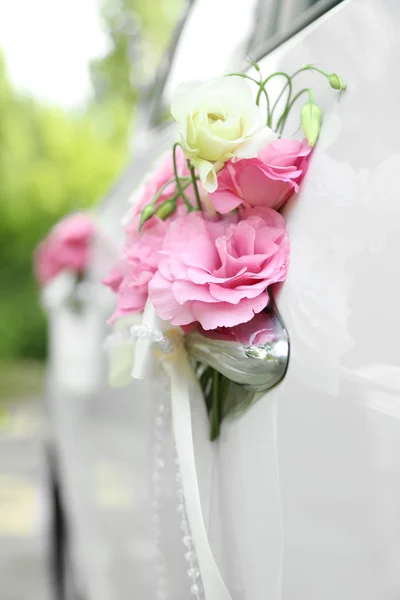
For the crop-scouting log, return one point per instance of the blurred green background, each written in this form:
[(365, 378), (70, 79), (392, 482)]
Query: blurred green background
[(54, 161)]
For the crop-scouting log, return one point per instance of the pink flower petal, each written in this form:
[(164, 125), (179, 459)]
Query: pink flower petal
[(230, 288), (67, 247), (204, 277), (224, 201), (259, 330), (220, 316), (185, 291), (160, 292), (266, 180)]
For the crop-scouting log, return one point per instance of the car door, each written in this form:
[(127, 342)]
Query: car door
[(104, 438), (114, 465), (307, 483)]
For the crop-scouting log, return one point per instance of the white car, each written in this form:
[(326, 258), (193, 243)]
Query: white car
[(302, 492)]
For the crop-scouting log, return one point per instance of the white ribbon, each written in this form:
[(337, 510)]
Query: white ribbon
[(182, 379), (181, 376), (57, 291)]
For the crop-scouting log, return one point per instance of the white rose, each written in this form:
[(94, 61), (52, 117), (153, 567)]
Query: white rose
[(218, 120)]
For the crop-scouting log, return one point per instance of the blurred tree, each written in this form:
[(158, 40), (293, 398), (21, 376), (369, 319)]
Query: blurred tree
[(51, 163), (139, 31)]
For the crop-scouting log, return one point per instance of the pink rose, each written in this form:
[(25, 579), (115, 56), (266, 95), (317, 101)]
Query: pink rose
[(114, 279), (67, 246), (137, 265), (217, 272), (268, 180), (256, 332), (161, 175)]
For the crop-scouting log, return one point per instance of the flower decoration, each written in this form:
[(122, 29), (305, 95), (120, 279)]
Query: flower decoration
[(160, 190), (205, 242), (217, 273), (217, 121), (66, 248), (259, 330), (137, 266), (266, 180)]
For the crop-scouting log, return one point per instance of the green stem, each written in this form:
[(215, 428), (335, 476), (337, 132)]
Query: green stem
[(174, 197), (258, 83), (282, 120), (177, 195), (215, 408), (194, 181), (311, 94), (243, 76), (314, 68), (262, 89), (287, 85), (166, 184), (182, 194), (255, 66), (309, 68), (268, 106)]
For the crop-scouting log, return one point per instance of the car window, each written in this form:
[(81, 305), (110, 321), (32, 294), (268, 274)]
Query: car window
[(279, 20), (214, 39), (219, 35)]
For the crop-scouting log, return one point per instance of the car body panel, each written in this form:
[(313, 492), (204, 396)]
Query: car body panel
[(301, 494), (310, 476)]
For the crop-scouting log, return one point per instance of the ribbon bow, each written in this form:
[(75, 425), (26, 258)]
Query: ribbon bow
[(159, 345)]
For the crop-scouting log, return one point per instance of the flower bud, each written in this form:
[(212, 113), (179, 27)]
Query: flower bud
[(147, 213), (311, 117), (336, 82), (166, 209)]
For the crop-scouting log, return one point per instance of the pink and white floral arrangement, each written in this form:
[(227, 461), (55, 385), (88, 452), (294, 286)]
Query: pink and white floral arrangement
[(206, 241), (65, 248), (61, 261)]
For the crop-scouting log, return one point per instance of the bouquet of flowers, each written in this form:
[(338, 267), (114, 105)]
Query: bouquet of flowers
[(65, 251), (206, 242)]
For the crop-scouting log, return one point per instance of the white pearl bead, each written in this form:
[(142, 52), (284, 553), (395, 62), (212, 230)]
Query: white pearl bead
[(184, 525), (195, 589), (193, 572), (158, 336), (190, 556)]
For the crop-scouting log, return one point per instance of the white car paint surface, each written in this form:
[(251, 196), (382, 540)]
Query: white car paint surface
[(309, 479), (301, 494)]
